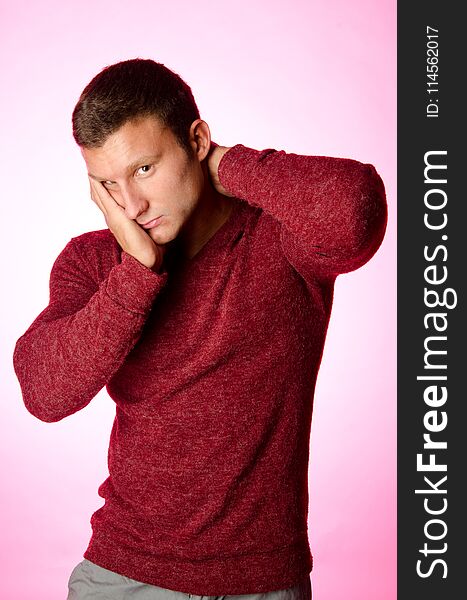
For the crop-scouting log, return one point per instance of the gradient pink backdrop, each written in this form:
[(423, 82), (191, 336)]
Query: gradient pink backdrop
[(304, 76)]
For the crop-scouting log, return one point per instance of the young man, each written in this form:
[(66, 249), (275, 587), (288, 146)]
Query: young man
[(203, 308)]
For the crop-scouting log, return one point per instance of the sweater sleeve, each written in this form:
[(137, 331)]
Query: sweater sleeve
[(81, 338), (332, 211)]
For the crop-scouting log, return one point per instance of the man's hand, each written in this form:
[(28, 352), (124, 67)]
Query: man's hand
[(213, 159), (131, 237)]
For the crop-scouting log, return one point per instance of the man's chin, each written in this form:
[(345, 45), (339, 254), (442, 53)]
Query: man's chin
[(160, 235)]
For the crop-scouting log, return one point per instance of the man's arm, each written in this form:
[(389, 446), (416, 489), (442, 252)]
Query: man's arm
[(81, 338), (333, 211)]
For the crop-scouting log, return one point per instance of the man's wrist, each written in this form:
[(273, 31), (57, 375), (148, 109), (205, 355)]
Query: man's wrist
[(214, 160)]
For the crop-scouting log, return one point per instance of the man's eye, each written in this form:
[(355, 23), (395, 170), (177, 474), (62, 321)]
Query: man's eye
[(144, 169), (107, 183)]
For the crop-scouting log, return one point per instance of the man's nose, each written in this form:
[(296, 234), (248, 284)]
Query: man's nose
[(134, 203)]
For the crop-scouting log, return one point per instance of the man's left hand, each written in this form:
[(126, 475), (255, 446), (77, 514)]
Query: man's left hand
[(213, 159)]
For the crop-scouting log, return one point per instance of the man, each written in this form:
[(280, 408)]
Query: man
[(203, 309)]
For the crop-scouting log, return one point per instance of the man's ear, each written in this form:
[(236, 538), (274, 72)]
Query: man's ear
[(200, 139)]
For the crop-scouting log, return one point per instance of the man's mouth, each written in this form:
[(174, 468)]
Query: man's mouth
[(152, 223)]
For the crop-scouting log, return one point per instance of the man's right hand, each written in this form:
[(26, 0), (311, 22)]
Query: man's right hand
[(131, 237)]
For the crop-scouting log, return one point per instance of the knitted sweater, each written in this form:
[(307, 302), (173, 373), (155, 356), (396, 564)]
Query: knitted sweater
[(212, 366)]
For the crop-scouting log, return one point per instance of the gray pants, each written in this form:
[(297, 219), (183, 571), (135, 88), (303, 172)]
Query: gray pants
[(89, 581)]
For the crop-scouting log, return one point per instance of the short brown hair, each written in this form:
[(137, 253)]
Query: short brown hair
[(128, 90)]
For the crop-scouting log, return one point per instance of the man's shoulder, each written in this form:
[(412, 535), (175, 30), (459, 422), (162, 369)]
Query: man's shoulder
[(98, 242), (97, 238), (99, 249)]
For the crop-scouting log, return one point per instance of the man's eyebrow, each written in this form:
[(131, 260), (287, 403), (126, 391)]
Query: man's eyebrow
[(143, 160)]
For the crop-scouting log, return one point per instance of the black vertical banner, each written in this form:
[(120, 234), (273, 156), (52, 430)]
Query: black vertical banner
[(432, 332)]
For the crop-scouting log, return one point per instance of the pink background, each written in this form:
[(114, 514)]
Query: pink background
[(304, 76)]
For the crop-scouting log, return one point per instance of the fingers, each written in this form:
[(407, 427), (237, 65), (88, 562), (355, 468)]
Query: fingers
[(95, 197), (102, 198)]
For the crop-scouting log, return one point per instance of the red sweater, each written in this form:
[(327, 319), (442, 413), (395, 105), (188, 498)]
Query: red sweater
[(212, 366)]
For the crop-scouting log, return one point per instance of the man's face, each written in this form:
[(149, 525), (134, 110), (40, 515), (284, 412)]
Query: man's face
[(149, 174)]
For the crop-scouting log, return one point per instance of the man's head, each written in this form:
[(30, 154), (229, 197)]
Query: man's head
[(131, 89), (140, 135)]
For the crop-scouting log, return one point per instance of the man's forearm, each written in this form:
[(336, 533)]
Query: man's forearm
[(213, 160), (333, 209), (80, 340)]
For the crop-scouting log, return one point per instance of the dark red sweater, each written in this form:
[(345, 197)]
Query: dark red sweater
[(212, 366)]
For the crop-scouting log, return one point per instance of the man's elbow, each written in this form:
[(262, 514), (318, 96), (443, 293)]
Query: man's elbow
[(369, 220), (44, 415), (48, 412), (46, 395)]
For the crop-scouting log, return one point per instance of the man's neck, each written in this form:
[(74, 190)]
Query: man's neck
[(211, 212)]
